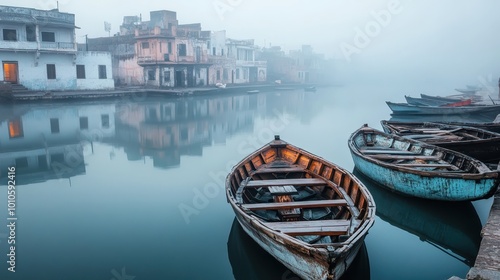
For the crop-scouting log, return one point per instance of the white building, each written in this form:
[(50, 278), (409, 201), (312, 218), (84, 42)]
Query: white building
[(248, 69), (38, 50)]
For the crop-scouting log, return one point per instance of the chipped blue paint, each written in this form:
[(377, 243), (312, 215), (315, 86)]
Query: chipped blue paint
[(429, 187)]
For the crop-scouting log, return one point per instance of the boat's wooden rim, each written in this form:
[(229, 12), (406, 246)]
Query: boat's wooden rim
[(483, 171)]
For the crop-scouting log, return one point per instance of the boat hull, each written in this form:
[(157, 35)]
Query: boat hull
[(305, 264), (403, 108), (428, 187)]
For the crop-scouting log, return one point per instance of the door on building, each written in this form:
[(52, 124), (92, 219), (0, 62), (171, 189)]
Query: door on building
[(179, 78), (10, 72)]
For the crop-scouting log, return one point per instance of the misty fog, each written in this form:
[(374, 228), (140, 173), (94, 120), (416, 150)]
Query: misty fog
[(383, 41)]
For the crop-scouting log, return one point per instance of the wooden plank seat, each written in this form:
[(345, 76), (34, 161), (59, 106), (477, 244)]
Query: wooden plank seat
[(383, 151), (284, 182), (322, 227), (267, 170), (283, 190), (427, 165), (405, 157), (295, 204)]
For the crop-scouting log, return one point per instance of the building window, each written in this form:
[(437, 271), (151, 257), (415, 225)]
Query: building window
[(166, 76), (10, 35), (30, 33), (54, 126), (16, 128), (105, 121), (237, 73), (214, 51), (225, 75), (51, 71), (145, 45), (151, 75), (218, 74), (84, 123), (102, 72), (182, 49), (48, 37), (169, 47), (222, 52), (80, 71)]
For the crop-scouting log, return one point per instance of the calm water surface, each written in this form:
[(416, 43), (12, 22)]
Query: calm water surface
[(134, 188)]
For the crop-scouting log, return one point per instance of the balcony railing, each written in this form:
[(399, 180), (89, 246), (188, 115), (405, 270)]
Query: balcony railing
[(62, 46), (249, 63), (18, 45)]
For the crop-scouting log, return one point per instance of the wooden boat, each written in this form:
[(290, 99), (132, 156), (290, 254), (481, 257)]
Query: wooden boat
[(440, 98), (250, 262), (418, 169), (453, 98), (452, 227), (253, 91), (310, 88), (477, 143), (489, 126), (403, 108), (431, 102), (310, 214)]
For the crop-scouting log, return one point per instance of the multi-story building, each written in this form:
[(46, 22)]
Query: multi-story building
[(247, 68), (38, 50), (165, 53), (222, 66)]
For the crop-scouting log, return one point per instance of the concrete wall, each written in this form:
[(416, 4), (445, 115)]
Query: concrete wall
[(32, 71), (92, 60)]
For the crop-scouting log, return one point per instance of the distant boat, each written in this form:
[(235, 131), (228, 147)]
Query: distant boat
[(309, 214), (418, 169), (403, 108), (478, 143), (467, 91), (452, 98), (220, 85), (310, 88), (253, 91), (422, 101)]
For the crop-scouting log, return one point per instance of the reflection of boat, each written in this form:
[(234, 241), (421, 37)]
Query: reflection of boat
[(311, 215), (250, 262), (477, 143), (418, 169), (253, 91), (450, 226)]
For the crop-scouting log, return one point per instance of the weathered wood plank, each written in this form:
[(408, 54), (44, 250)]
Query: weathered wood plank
[(405, 157), (296, 204), (393, 152), (267, 170), (323, 227), (426, 165), (281, 190), (283, 182)]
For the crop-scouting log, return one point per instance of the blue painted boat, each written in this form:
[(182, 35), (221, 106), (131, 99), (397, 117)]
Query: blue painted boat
[(418, 169), (404, 108)]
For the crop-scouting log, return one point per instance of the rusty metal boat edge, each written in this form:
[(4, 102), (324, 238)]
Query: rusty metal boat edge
[(318, 261)]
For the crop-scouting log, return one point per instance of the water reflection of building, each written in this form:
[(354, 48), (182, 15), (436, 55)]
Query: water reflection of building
[(167, 129), (47, 142)]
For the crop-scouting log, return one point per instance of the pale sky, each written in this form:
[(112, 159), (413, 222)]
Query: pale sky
[(423, 35)]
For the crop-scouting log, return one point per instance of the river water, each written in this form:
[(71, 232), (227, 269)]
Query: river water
[(134, 188)]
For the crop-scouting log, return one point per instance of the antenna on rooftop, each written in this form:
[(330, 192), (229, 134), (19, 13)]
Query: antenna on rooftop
[(107, 27), (57, 3)]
